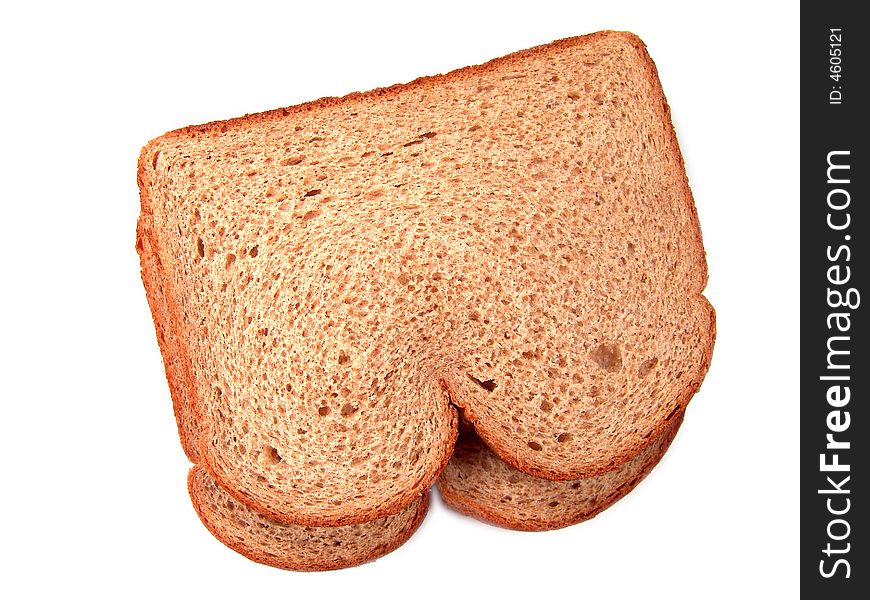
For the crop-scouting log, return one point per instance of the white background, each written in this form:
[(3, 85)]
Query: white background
[(93, 486)]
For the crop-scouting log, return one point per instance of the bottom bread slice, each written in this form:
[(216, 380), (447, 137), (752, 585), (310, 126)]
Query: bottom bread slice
[(298, 547), (478, 483)]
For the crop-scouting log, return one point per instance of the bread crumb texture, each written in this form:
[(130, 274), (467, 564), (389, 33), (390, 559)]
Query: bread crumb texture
[(516, 241)]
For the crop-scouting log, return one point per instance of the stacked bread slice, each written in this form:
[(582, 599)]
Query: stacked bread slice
[(337, 285)]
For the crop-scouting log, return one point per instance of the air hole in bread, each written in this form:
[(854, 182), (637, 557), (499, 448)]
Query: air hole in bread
[(155, 158), (608, 357), (564, 438), (348, 409), (231, 258), (647, 366), (553, 504), (253, 252), (428, 134), (343, 358), (546, 405), (323, 411), (200, 248), (489, 384), (311, 193), (673, 412), (535, 446), (292, 161), (514, 478), (271, 456)]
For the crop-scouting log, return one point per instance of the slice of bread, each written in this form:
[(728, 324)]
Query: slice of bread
[(298, 547), (477, 483), (517, 240)]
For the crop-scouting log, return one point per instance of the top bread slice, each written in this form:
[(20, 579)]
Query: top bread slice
[(516, 240)]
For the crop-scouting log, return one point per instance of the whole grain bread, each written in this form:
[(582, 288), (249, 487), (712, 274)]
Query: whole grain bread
[(298, 547), (479, 484), (516, 240)]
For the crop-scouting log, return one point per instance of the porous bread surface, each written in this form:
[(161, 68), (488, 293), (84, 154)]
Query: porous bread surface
[(298, 547), (477, 483), (185, 419), (517, 239)]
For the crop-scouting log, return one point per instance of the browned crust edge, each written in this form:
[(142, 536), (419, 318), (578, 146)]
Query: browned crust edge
[(475, 508), (292, 564), (165, 341)]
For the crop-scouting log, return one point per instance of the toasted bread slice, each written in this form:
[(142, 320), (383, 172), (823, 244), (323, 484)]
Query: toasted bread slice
[(298, 547), (516, 239), (479, 484)]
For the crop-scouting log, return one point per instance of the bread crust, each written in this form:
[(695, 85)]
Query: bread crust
[(293, 563), (166, 340)]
